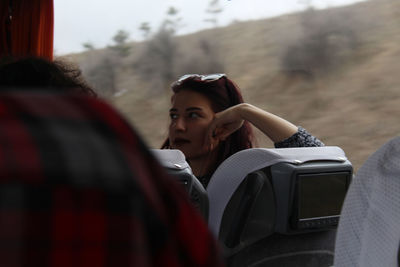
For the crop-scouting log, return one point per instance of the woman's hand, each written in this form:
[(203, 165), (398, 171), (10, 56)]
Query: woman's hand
[(224, 124), (228, 121)]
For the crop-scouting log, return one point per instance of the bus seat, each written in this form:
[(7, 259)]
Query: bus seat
[(369, 230), (269, 207), (176, 165)]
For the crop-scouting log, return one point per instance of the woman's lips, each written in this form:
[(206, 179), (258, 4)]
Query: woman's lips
[(180, 141)]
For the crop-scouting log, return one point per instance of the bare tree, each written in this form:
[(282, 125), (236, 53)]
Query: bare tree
[(156, 63), (206, 58), (172, 22), (88, 46), (213, 9), (327, 41), (120, 43), (146, 29), (102, 76)]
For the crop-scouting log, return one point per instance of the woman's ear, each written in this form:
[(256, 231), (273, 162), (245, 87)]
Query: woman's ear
[(214, 142), (221, 135), (222, 138), (218, 134)]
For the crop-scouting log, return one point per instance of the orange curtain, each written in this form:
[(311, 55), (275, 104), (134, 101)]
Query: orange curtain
[(30, 31)]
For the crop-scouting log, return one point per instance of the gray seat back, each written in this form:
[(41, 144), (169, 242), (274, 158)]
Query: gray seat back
[(369, 229), (231, 173), (253, 199), (176, 165)]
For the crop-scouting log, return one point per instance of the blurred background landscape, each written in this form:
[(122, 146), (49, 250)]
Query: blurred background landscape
[(335, 71)]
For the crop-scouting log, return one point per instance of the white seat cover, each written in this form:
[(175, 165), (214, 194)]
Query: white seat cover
[(171, 158), (369, 228), (234, 169)]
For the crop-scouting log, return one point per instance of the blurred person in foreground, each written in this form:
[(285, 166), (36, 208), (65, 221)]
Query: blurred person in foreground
[(40, 73), (209, 122), (79, 188)]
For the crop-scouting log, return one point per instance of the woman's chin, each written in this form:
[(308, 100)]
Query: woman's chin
[(192, 152), (196, 155)]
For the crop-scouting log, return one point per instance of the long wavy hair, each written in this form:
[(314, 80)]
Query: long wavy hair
[(222, 93)]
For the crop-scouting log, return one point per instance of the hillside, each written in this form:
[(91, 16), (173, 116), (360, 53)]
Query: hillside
[(349, 96)]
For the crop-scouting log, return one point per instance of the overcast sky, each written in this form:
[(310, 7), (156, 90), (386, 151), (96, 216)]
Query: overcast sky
[(79, 21)]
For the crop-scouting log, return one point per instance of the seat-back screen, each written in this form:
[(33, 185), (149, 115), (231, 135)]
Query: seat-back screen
[(321, 195)]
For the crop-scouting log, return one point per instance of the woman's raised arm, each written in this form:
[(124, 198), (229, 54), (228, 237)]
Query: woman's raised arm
[(231, 119)]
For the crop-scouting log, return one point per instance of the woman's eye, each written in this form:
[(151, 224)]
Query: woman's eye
[(173, 116), (193, 115)]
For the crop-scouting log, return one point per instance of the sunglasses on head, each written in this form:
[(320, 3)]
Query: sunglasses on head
[(199, 77)]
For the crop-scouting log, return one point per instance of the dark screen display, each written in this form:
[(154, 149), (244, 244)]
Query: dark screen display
[(321, 195)]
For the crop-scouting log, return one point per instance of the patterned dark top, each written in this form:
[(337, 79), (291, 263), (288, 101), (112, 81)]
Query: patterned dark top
[(79, 188), (300, 139)]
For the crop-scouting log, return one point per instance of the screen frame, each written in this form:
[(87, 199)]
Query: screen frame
[(323, 221)]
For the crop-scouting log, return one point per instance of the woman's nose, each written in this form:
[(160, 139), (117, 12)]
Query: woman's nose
[(180, 125)]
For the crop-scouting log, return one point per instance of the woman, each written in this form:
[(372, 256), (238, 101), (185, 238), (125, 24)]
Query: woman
[(210, 122)]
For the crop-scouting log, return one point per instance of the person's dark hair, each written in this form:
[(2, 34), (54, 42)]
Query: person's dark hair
[(222, 93), (35, 72)]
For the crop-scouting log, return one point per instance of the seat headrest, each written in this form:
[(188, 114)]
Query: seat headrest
[(171, 158), (238, 166), (175, 163)]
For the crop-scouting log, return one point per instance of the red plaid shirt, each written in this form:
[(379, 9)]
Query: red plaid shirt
[(79, 188)]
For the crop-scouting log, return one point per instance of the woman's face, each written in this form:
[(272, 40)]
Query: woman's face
[(190, 115)]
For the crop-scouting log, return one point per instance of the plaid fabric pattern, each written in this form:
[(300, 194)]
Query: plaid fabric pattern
[(79, 188)]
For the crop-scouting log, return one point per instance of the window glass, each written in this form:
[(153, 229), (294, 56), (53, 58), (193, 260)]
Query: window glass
[(329, 66)]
